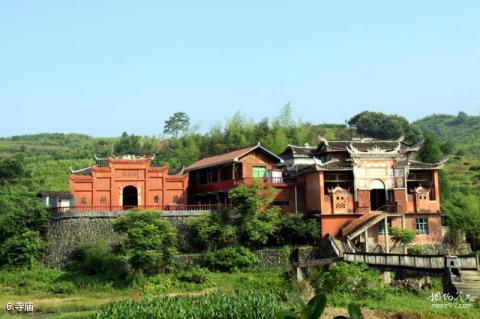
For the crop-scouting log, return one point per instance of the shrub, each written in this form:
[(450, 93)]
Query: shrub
[(351, 279), (194, 274), (98, 259), (402, 236), (63, 287), (416, 250), (230, 259), (148, 242), (206, 233), (297, 229), (22, 249)]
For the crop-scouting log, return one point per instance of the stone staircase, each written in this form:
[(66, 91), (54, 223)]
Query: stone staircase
[(469, 283)]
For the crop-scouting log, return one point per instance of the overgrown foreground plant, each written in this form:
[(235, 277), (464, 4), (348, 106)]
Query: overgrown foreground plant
[(245, 304), (314, 309), (148, 242)]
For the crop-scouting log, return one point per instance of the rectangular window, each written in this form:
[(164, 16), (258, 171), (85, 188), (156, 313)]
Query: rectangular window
[(381, 226), (259, 172), (421, 225)]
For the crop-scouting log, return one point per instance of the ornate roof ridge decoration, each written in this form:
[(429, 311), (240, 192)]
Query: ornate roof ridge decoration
[(400, 139), (78, 170), (338, 188), (374, 150), (83, 171), (421, 189), (306, 145), (129, 157), (323, 139)]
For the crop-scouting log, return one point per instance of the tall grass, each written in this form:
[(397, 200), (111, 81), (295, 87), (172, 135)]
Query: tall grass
[(247, 304)]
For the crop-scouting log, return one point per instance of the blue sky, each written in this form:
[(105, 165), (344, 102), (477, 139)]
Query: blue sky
[(104, 67)]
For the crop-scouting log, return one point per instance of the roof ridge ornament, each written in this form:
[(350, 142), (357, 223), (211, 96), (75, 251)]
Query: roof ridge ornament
[(78, 170), (323, 139)]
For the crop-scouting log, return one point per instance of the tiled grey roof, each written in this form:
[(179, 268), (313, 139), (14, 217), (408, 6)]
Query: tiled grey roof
[(66, 195), (336, 165), (420, 165), (297, 151), (101, 162), (83, 172)]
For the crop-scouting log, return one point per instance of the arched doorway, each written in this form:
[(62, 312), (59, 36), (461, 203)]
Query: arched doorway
[(130, 196), (378, 195)]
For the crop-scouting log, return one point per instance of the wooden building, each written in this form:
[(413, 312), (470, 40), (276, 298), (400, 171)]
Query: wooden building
[(126, 181), (211, 178)]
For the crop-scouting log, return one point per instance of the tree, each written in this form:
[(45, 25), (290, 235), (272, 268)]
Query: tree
[(464, 216), (23, 227), (148, 242), (258, 220), (461, 118), (403, 237), (430, 151), (178, 122), (128, 144), (12, 169), (384, 126), (448, 147)]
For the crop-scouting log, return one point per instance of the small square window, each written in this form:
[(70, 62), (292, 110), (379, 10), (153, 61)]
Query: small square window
[(421, 226)]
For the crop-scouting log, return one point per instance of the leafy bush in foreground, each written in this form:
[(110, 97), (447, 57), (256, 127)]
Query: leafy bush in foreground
[(98, 259), (244, 304), (358, 280), (194, 274), (230, 259), (148, 242)]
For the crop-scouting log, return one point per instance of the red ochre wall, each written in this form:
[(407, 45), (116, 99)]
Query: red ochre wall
[(105, 186)]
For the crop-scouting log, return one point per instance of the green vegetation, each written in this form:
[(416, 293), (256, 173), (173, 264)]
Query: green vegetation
[(239, 304), (353, 280), (402, 237), (383, 126), (230, 259), (148, 243), (23, 220)]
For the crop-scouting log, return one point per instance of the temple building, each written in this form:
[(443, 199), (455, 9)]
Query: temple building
[(357, 187), (126, 181)]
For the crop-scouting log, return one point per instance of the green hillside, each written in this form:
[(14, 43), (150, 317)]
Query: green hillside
[(462, 135), (50, 155)]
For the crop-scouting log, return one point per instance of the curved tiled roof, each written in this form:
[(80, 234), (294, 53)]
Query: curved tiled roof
[(82, 172), (297, 151), (421, 165)]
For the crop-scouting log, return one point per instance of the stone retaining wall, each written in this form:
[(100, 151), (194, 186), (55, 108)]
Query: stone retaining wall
[(66, 233)]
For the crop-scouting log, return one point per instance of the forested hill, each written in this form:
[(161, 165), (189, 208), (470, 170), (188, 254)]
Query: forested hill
[(462, 129), (49, 155)]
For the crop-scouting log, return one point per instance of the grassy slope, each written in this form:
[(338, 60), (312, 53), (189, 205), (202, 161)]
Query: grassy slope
[(464, 166)]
